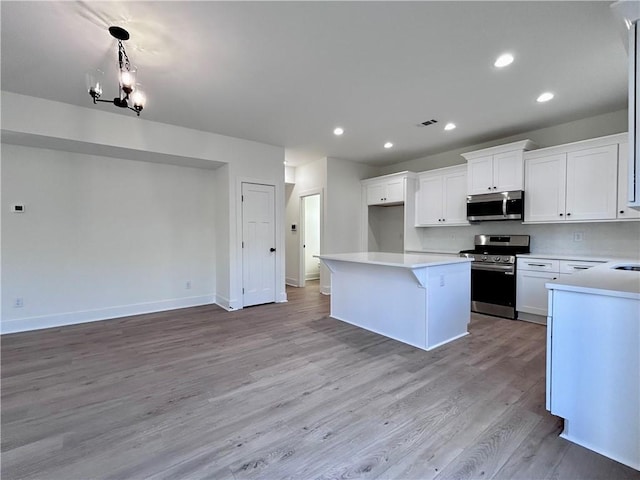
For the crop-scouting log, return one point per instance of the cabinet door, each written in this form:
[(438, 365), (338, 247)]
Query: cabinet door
[(429, 207), (592, 179), (545, 179), (375, 193), (455, 199), (395, 191), (507, 171), (624, 212), (531, 294), (480, 175)]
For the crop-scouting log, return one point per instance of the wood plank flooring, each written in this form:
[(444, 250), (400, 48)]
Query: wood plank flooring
[(280, 392)]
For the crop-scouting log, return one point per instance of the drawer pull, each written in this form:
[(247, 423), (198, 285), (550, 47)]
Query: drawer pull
[(537, 264), (580, 268)]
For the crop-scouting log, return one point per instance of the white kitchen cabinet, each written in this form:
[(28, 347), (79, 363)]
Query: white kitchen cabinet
[(387, 190), (573, 183), (592, 184), (624, 212), (441, 197), (496, 169), (531, 277), (592, 370)]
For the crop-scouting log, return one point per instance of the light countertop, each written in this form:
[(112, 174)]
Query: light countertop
[(572, 257), (403, 260), (603, 280)]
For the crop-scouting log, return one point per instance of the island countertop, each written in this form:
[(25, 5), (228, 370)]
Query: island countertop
[(402, 260)]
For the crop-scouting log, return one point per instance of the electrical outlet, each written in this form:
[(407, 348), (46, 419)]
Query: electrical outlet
[(18, 302), (187, 285), (578, 236)]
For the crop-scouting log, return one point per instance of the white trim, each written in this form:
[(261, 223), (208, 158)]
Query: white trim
[(580, 145), (301, 230), (508, 147), (73, 318), (292, 282)]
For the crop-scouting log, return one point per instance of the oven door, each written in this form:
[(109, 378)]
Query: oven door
[(493, 290)]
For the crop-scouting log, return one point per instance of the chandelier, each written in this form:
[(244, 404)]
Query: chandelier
[(128, 95)]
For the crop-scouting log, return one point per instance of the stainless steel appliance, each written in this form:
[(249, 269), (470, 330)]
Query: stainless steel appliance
[(496, 206), (493, 273)]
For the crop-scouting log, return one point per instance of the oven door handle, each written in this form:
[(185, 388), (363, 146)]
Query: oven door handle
[(506, 269), (504, 206)]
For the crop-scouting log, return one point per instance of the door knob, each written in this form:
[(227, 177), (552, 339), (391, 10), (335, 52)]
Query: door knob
[(272, 249)]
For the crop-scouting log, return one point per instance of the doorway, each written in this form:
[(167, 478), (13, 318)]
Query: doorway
[(258, 244), (310, 236)]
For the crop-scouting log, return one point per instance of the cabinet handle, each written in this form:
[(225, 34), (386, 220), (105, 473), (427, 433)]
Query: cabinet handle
[(621, 211), (444, 219), (561, 214), (495, 188), (489, 188), (536, 264), (580, 268), (568, 214)]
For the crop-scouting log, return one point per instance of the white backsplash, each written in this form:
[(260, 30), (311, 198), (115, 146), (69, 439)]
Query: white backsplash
[(602, 239)]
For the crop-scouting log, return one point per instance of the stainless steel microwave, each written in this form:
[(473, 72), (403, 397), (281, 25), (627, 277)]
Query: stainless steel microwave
[(496, 206)]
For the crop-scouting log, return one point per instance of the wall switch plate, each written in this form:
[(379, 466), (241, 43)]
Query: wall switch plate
[(18, 302), (578, 236)]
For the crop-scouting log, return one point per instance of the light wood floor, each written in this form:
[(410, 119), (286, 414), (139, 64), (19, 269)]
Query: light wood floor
[(280, 391)]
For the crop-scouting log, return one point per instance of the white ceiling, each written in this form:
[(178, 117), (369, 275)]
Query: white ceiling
[(287, 73)]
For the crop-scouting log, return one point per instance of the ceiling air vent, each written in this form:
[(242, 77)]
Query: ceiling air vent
[(428, 122)]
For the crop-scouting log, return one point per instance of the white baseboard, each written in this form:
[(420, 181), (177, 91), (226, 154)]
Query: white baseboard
[(72, 318), (292, 282), (312, 276), (325, 289)]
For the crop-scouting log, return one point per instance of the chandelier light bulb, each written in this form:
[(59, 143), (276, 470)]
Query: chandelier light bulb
[(139, 99), (127, 81)]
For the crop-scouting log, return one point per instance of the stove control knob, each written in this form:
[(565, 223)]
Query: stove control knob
[(496, 259), (505, 259), (483, 258)]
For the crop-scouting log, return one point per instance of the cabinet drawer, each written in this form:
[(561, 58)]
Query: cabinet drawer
[(539, 264), (569, 267)]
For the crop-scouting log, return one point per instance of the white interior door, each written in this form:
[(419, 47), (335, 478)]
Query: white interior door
[(258, 244)]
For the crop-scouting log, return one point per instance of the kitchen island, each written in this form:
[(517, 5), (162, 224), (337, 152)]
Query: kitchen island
[(421, 300), (593, 358)]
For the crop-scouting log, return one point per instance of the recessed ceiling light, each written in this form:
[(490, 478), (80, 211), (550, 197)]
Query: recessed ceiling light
[(450, 126), (338, 131), (545, 97), (503, 60), (388, 145)]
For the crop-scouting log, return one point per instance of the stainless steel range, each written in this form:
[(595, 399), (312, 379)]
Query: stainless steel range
[(493, 273)]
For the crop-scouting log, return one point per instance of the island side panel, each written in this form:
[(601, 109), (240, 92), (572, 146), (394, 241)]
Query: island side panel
[(595, 379), (383, 299), (448, 302)]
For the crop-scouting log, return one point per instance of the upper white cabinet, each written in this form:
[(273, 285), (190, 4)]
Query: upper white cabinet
[(385, 190), (573, 182), (441, 197), (496, 169)]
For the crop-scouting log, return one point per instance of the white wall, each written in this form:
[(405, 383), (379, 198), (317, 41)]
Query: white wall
[(311, 178), (311, 236), (604, 238), (591, 127), (102, 237), (35, 122)]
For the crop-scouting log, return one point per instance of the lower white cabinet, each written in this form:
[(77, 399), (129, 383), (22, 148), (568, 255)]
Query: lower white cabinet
[(441, 197), (624, 211), (531, 277)]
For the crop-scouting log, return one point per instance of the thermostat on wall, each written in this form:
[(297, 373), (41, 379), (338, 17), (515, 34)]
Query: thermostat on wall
[(17, 208)]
